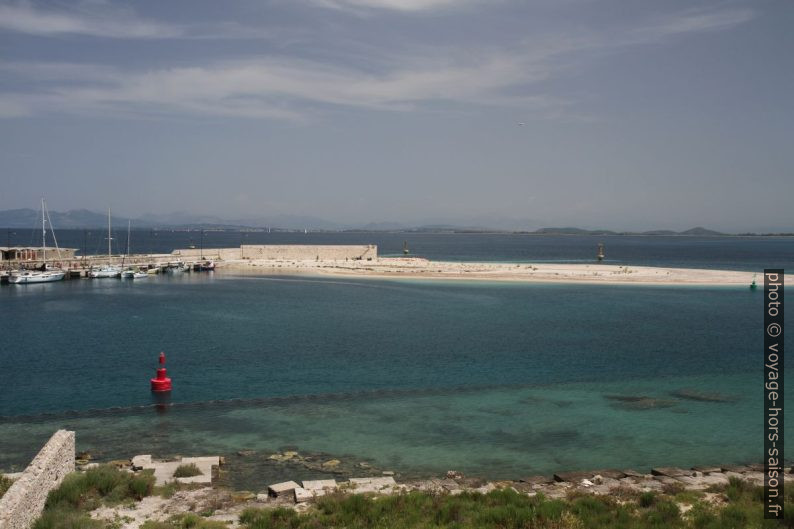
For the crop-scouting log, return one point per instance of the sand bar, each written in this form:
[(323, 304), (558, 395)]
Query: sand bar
[(419, 268)]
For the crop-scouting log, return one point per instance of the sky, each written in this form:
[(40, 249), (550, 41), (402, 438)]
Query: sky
[(514, 113)]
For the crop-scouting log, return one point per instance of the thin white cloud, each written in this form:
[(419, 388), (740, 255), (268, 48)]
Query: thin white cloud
[(694, 21), (24, 18), (395, 5), (291, 88), (273, 88)]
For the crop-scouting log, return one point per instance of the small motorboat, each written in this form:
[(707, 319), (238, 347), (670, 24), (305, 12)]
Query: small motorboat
[(176, 269)]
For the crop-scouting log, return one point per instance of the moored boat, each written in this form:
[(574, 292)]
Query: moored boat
[(104, 272), (33, 276), (109, 270), (45, 274)]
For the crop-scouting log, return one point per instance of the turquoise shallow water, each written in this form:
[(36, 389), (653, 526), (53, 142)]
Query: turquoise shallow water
[(502, 380)]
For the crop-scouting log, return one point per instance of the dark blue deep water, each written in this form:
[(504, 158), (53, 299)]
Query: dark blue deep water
[(736, 253)]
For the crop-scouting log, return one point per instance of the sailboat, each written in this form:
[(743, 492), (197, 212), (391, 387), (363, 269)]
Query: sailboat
[(44, 275), (131, 273), (108, 270)]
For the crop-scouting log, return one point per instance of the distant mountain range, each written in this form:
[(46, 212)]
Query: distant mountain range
[(82, 218)]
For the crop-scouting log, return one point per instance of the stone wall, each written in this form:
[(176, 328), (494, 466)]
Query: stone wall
[(195, 254), (24, 501), (309, 252), (284, 252)]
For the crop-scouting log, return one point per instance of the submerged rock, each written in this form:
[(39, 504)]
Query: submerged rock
[(691, 394), (331, 463), (640, 402)]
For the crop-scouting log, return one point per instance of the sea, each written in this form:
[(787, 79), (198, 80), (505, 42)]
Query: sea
[(418, 377)]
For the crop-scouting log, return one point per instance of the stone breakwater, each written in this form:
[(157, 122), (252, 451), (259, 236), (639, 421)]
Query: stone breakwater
[(23, 503)]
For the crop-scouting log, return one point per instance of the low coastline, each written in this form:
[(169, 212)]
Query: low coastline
[(420, 268)]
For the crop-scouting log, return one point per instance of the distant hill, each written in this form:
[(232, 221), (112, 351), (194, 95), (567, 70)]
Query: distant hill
[(701, 232), (83, 218), (573, 231), (77, 218)]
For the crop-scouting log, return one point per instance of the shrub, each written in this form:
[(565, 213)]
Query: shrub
[(80, 492), (733, 517), (185, 521), (664, 514), (737, 488), (187, 471), (141, 485), (63, 518), (5, 484), (646, 499)]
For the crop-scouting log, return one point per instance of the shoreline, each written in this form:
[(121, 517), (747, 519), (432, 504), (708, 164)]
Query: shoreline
[(423, 269), (210, 495)]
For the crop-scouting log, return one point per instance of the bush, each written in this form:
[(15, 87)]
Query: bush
[(187, 471), (80, 492), (66, 519), (646, 499), (5, 484), (664, 514), (737, 488)]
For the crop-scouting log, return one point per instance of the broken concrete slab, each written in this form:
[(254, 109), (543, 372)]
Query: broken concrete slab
[(672, 472), (537, 480), (572, 477), (707, 469), (382, 484), (610, 473), (141, 462), (281, 489), (164, 470), (320, 484), (302, 495)]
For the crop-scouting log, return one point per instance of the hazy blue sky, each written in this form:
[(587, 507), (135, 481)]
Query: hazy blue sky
[(596, 113)]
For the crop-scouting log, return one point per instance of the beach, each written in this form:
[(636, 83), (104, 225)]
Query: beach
[(419, 268)]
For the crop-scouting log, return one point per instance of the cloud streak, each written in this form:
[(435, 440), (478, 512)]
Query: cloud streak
[(291, 88), (23, 18), (393, 5)]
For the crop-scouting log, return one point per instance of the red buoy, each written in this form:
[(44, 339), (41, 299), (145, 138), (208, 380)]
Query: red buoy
[(162, 382)]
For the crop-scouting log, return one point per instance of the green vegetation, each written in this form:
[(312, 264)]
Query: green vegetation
[(187, 471), (170, 488), (507, 509), (185, 521), (737, 505), (68, 505), (5, 484)]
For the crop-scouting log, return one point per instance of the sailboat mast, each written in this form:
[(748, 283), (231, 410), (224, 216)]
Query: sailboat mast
[(43, 235), (109, 262)]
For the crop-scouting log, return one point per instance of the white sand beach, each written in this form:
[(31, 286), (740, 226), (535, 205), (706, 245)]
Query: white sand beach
[(418, 268)]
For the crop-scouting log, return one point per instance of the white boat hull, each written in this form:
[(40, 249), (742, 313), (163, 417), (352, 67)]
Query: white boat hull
[(104, 272), (37, 277)]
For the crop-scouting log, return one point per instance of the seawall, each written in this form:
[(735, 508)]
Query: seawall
[(285, 252), (23, 503)]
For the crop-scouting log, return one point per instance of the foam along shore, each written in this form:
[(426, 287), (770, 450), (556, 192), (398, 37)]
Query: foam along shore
[(399, 267)]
